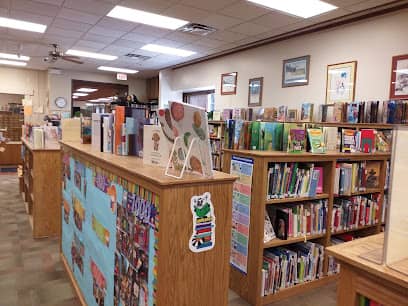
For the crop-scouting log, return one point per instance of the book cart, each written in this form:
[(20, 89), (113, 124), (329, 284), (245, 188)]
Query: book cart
[(131, 235), (41, 190), (249, 285)]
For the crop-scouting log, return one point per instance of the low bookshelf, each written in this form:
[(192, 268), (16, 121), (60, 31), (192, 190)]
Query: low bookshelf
[(250, 285)]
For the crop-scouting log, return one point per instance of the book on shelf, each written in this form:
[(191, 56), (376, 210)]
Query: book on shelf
[(353, 177), (367, 140), (216, 116), (383, 141), (306, 113), (291, 180), (86, 130), (51, 137), (96, 141), (286, 133), (354, 212), (270, 114), (384, 208), (118, 123), (326, 113), (156, 147), (282, 113), (331, 138), (71, 129), (269, 233), (226, 114), (364, 301), (316, 140), (296, 141), (108, 134), (338, 111), (38, 138), (373, 174), (292, 115), (285, 267), (348, 141), (135, 121)]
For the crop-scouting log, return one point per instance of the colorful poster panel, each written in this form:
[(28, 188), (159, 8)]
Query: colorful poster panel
[(241, 211)]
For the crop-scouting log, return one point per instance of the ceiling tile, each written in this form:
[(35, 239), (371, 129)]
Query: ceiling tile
[(183, 37), (200, 48), (89, 45), (139, 37), (211, 5), (153, 6), (211, 43), (71, 25), (186, 12), (24, 35), (30, 17), (221, 22), (54, 2), (128, 43), (5, 4), (275, 20), (89, 6), (151, 31), (63, 32), (114, 49), (116, 24), (226, 36), (98, 38), (35, 7), (366, 4), (344, 3), (328, 16), (75, 15), (244, 10), (249, 29), (106, 32), (64, 42), (168, 43)]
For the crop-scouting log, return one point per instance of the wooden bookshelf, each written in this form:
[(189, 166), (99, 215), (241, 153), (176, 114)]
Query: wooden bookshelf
[(217, 155), (41, 171), (248, 285)]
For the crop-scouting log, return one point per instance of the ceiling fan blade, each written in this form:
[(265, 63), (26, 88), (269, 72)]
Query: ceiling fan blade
[(71, 60), (71, 57)]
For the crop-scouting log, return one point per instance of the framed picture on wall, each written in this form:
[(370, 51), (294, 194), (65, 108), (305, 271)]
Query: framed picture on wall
[(341, 81), (229, 83), (255, 91), (399, 77), (295, 71)]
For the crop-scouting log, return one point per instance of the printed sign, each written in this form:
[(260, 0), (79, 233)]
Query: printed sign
[(241, 211), (203, 237)]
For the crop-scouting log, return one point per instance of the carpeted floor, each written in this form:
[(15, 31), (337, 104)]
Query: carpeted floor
[(31, 273)]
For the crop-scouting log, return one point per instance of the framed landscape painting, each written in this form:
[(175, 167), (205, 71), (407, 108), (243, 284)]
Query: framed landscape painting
[(255, 92), (296, 71), (399, 77), (341, 80), (229, 83)]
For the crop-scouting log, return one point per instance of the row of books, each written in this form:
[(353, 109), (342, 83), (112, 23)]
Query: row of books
[(120, 132), (309, 218), (286, 267), (288, 180), (43, 137), (365, 301), (356, 177), (354, 212), (384, 208), (333, 265), (365, 140), (215, 146), (390, 111)]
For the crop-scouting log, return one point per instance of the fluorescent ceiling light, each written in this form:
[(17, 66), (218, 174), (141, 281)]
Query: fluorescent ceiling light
[(301, 8), (12, 63), (114, 69), (91, 55), (84, 89), (167, 50), (151, 19), (79, 94), (22, 25), (14, 57)]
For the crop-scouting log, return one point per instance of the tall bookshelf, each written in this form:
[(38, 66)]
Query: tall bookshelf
[(217, 143), (249, 285)]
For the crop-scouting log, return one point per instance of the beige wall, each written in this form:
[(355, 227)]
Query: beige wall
[(371, 42), (60, 85), (5, 99)]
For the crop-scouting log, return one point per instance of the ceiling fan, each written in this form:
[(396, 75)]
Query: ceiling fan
[(56, 54)]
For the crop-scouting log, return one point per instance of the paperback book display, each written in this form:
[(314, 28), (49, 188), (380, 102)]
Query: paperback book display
[(308, 218), (354, 212), (286, 267), (290, 180)]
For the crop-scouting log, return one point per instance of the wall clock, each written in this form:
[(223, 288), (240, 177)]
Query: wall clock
[(60, 102)]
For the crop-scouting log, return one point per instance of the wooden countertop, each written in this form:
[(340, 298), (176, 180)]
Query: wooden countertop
[(328, 155), (352, 253), (134, 166), (30, 146)]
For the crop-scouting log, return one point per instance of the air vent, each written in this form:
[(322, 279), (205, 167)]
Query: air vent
[(197, 29), (138, 56)]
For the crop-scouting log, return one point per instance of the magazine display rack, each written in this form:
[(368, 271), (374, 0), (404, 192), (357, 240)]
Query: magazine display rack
[(249, 285), (127, 225), (40, 167)]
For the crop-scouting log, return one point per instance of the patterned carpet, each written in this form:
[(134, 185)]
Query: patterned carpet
[(31, 273)]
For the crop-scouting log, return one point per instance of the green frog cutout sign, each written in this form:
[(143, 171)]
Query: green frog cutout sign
[(203, 236)]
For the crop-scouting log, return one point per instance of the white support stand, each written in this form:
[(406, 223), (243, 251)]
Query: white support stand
[(178, 159)]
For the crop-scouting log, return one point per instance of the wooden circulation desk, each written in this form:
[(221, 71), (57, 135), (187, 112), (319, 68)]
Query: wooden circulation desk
[(42, 189), (182, 276), (360, 275), (12, 153)]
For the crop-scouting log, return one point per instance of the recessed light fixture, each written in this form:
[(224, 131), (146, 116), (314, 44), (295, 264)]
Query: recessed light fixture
[(79, 94), (167, 50), (12, 63), (300, 8), (84, 89), (151, 19), (91, 55), (14, 57), (22, 25), (114, 69)]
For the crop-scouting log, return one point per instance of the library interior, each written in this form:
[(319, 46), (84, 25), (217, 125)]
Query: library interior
[(285, 186)]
